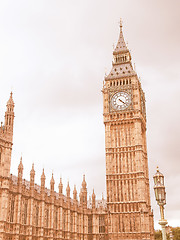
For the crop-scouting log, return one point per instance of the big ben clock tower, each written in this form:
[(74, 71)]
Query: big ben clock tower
[(127, 180)]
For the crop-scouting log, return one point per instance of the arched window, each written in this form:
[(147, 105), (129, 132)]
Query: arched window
[(12, 210), (25, 211), (37, 215), (46, 217)]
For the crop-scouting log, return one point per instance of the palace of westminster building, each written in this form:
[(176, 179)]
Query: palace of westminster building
[(32, 212)]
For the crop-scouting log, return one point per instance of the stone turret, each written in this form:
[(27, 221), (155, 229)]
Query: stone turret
[(9, 118), (6, 139)]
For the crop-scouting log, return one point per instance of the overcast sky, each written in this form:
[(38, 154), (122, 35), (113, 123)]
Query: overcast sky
[(54, 55)]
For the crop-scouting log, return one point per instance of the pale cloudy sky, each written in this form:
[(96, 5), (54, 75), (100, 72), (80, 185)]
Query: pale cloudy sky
[(54, 54)]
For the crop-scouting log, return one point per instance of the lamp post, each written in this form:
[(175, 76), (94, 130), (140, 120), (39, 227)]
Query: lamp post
[(160, 194)]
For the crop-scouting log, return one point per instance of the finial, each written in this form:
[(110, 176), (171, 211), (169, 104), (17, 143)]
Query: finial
[(157, 169), (43, 174), (120, 23), (32, 166)]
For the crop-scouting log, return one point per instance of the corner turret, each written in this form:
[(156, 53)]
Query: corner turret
[(9, 117)]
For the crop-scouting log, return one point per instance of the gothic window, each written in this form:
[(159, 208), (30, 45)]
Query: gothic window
[(64, 220), (25, 212), (101, 224), (119, 223), (56, 218), (71, 221), (77, 223), (12, 210), (37, 216), (90, 224), (46, 217)]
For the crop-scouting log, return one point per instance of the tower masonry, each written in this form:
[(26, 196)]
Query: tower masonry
[(127, 180)]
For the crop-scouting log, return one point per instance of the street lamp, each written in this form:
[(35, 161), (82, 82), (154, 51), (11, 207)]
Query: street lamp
[(160, 194)]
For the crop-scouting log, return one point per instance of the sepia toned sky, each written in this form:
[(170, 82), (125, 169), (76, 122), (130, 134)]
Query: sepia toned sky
[(54, 56)]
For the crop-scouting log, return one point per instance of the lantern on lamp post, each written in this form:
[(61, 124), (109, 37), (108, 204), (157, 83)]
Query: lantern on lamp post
[(160, 195)]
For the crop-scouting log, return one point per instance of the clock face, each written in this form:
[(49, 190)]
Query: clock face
[(120, 100)]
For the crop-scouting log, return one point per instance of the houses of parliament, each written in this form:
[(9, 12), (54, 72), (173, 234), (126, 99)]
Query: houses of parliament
[(32, 212)]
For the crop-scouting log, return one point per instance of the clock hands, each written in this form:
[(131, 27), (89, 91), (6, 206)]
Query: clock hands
[(121, 101)]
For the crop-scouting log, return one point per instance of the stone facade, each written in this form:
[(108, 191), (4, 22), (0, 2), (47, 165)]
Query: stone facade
[(32, 212)]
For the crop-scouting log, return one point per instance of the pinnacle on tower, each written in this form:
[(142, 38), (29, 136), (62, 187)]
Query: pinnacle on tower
[(84, 182), (20, 167), (93, 199), (32, 175), (20, 171), (43, 178), (75, 193), (60, 186), (68, 190), (121, 45), (52, 182)]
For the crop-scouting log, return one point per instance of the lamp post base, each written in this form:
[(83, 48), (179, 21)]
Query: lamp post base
[(163, 223)]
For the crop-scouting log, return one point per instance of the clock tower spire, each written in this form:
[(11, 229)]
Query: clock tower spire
[(127, 180)]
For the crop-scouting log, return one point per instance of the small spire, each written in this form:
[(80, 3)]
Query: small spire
[(52, 182), (93, 194), (43, 175), (20, 164), (102, 196), (43, 178), (20, 169), (121, 45), (84, 182), (52, 179), (68, 190), (75, 193), (60, 186), (10, 101), (93, 199), (120, 24), (32, 170)]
